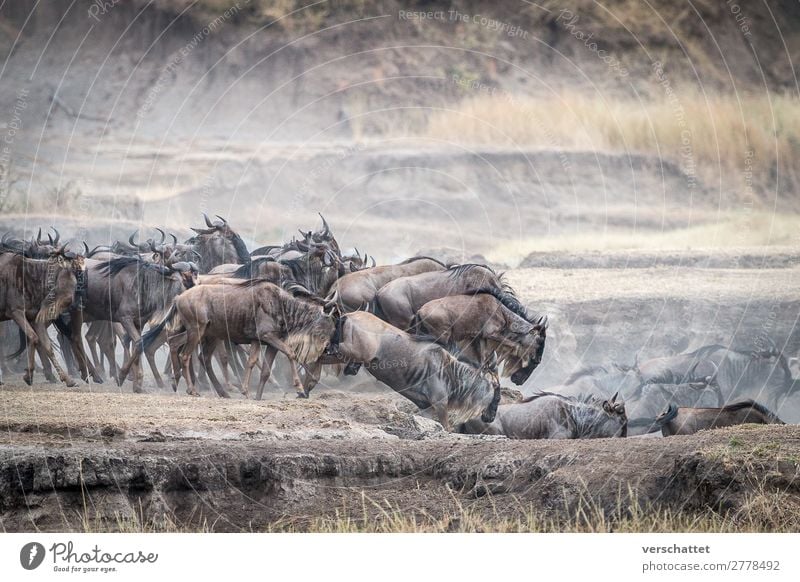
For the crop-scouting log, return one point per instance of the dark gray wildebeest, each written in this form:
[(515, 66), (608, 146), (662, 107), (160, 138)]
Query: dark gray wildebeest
[(398, 301), (357, 291), (480, 326), (33, 293), (682, 420), (218, 244), (131, 291), (757, 374), (552, 416), (245, 312), (443, 388), (311, 241)]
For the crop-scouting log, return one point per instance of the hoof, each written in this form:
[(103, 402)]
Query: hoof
[(70, 383), (193, 393), (28, 379), (302, 395)]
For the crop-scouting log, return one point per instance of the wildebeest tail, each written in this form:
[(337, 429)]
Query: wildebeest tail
[(62, 326), (151, 334), (655, 424), (23, 343)]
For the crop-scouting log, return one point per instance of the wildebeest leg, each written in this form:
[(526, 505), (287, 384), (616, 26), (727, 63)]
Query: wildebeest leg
[(150, 354), (20, 319), (282, 347), (47, 369), (193, 335), (76, 342), (223, 354), (175, 343), (133, 334), (47, 347), (209, 345), (266, 369), (252, 360)]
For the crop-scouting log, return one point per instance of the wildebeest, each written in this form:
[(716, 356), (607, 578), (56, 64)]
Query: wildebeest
[(244, 312), (33, 293), (442, 387), (739, 374), (218, 244), (131, 291), (683, 420), (399, 300), (480, 325), (552, 416), (357, 291)]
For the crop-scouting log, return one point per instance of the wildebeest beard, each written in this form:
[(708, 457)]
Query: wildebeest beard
[(467, 387)]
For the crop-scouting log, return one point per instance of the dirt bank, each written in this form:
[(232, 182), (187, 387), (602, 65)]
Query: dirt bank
[(73, 460)]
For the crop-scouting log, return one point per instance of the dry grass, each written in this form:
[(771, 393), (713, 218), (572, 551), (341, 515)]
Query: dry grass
[(729, 230), (709, 133)]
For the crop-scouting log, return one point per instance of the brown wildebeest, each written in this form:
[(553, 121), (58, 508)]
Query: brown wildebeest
[(444, 388), (552, 416), (246, 312), (399, 300), (34, 292), (682, 421), (357, 291), (480, 325)]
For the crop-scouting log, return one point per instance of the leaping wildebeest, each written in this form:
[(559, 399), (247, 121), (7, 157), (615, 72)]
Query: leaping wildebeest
[(552, 416), (399, 300), (480, 325), (33, 293), (441, 386), (357, 291)]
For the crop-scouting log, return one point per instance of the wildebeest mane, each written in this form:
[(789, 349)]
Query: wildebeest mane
[(247, 270), (241, 249), (755, 406), (422, 258), (113, 266)]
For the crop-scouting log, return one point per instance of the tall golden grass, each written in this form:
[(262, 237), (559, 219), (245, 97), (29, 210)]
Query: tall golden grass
[(712, 133)]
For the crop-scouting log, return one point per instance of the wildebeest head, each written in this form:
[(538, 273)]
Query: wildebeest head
[(615, 421), (532, 339), (218, 244), (188, 273)]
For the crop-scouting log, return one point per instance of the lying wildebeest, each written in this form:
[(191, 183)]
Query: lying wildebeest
[(682, 421), (399, 300), (480, 325), (33, 293), (245, 312), (443, 388), (218, 244), (357, 291), (552, 416)]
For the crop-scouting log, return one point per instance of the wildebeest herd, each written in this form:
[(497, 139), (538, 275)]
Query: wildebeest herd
[(441, 335)]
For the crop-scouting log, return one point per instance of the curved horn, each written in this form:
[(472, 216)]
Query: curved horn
[(50, 238), (174, 239), (324, 224), (39, 236), (163, 236), (614, 398), (225, 222), (208, 222), (85, 249), (58, 235), (374, 264), (130, 238)]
